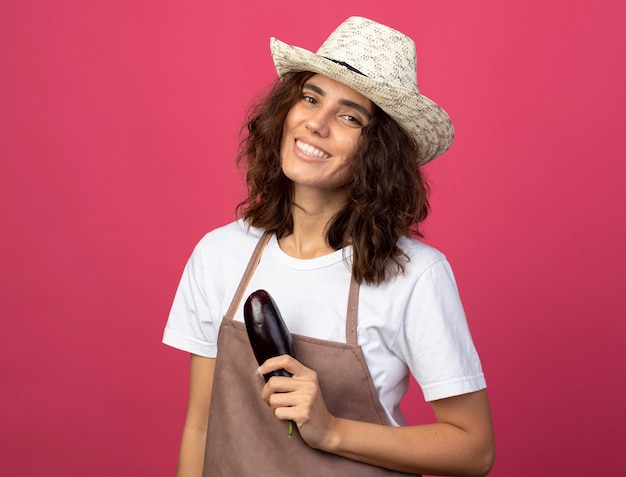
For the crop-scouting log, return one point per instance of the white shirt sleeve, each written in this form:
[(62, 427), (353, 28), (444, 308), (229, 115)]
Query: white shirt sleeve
[(191, 326), (435, 340)]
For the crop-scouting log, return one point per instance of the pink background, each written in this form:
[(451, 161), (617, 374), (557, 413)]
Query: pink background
[(118, 127)]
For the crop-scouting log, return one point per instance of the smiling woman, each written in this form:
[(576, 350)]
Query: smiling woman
[(329, 229)]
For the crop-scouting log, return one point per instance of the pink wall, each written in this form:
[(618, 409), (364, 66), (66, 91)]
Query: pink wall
[(118, 124)]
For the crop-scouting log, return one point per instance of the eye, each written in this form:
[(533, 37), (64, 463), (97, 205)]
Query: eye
[(309, 99), (352, 120)]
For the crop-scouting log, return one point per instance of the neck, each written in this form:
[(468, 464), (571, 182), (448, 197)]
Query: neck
[(312, 213)]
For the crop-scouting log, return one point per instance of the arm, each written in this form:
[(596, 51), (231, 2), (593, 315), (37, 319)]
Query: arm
[(460, 443), (193, 442)]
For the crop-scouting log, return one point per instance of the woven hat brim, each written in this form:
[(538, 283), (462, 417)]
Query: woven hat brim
[(421, 117)]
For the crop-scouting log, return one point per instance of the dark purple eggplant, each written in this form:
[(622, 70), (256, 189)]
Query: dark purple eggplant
[(267, 331)]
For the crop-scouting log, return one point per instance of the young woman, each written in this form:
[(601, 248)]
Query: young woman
[(328, 229)]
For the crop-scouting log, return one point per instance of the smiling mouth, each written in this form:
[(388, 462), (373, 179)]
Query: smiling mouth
[(311, 151)]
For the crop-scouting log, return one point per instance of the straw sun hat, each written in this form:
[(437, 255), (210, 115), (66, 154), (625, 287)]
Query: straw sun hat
[(380, 63)]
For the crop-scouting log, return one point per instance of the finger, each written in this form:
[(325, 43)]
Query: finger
[(278, 384), (285, 362), (285, 413), (277, 400)]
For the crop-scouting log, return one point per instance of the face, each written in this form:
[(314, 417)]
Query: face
[(322, 133)]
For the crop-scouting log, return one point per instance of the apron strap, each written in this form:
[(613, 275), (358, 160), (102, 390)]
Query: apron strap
[(352, 314), (247, 274)]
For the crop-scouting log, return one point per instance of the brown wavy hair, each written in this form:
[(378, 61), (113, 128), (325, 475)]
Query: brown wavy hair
[(387, 193)]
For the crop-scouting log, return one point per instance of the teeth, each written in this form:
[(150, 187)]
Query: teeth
[(310, 150)]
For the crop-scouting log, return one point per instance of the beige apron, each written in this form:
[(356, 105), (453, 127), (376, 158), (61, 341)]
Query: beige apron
[(245, 439)]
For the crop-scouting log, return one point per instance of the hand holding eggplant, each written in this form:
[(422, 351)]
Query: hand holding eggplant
[(300, 400), (267, 332)]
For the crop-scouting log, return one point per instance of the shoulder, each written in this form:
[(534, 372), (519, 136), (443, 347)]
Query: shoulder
[(426, 270), (420, 256), (224, 250), (234, 238)]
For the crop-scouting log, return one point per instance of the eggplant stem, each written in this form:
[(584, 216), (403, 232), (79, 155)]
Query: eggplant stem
[(290, 429)]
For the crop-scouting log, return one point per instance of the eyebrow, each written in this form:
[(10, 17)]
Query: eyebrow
[(343, 102)]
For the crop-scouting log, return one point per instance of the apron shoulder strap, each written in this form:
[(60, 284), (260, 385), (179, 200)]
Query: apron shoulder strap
[(247, 274), (352, 314)]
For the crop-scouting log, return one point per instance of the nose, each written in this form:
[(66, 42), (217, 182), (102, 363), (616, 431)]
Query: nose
[(318, 122)]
